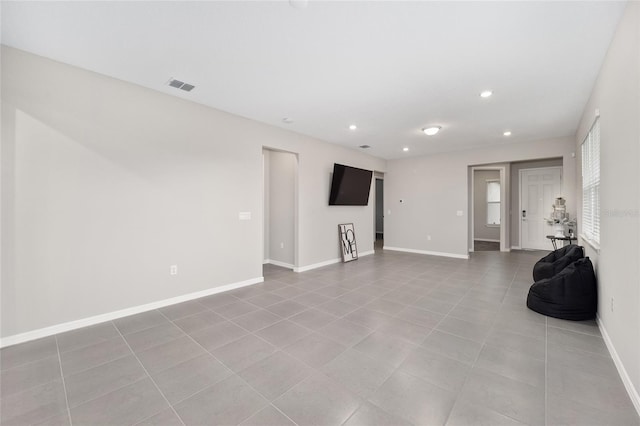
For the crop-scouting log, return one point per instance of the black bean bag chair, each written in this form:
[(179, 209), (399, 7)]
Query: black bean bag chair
[(571, 294), (556, 261)]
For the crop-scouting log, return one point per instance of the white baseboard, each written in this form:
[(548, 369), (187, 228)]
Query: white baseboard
[(430, 253), (85, 322), (316, 265), (486, 240), (516, 248), (278, 263), (626, 380), (328, 262)]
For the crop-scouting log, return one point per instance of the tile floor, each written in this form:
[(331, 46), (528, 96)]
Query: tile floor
[(391, 339), (486, 246)]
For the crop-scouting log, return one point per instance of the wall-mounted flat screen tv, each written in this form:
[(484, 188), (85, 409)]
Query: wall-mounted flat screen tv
[(350, 186)]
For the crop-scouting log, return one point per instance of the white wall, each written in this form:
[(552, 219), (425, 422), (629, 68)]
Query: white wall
[(617, 95), (434, 187), (515, 193), (106, 184), (282, 185), (481, 230)]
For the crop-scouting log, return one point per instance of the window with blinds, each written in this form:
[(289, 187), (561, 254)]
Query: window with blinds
[(591, 184), (493, 202)]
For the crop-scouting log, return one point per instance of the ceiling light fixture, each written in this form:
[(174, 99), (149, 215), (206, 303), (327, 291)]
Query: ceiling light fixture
[(287, 120), (507, 133), (353, 127), (486, 93), (405, 149), (430, 131)]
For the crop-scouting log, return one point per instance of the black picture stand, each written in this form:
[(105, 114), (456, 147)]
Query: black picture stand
[(347, 236)]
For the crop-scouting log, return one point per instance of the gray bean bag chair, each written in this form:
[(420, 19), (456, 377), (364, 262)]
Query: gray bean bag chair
[(571, 294), (556, 261)]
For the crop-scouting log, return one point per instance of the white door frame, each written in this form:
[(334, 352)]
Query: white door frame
[(504, 220), (561, 168), (376, 176)]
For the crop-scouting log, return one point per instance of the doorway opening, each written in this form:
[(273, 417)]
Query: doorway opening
[(280, 206), (378, 240), (488, 204), (379, 222)]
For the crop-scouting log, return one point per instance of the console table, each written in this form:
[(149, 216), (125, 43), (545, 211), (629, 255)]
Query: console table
[(553, 239)]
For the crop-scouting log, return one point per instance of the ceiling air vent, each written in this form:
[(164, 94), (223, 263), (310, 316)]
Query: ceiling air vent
[(365, 146), (181, 85)]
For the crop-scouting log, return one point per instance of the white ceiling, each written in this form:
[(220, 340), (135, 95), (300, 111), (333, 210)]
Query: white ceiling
[(389, 67)]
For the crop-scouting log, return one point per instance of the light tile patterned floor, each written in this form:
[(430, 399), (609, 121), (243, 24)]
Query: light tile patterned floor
[(391, 339)]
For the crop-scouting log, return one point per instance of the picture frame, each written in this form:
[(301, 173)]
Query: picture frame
[(347, 240)]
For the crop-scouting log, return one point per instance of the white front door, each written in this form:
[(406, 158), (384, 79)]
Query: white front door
[(538, 190)]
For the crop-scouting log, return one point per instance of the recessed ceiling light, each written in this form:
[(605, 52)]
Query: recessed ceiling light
[(430, 131), (486, 93), (287, 120), (405, 149), (507, 133), (353, 127), (365, 146)]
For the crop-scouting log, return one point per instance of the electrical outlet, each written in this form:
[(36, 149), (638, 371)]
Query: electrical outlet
[(612, 304), (173, 270), (281, 245), (428, 237)]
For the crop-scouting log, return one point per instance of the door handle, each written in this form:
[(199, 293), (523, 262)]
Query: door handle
[(524, 215)]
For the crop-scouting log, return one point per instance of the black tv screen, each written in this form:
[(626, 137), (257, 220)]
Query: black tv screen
[(350, 186)]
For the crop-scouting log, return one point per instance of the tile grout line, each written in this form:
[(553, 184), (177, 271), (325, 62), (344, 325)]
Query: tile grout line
[(397, 369), (151, 378), (25, 364), (111, 391), (255, 335), (484, 344), (64, 386), (280, 411), (546, 368), (270, 403), (475, 361), (545, 350), (121, 334), (99, 365), (233, 373), (87, 345)]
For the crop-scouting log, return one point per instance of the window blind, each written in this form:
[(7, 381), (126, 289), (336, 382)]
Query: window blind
[(493, 202), (591, 184)]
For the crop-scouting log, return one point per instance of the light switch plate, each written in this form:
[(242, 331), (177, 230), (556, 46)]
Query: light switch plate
[(459, 213), (244, 215)]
